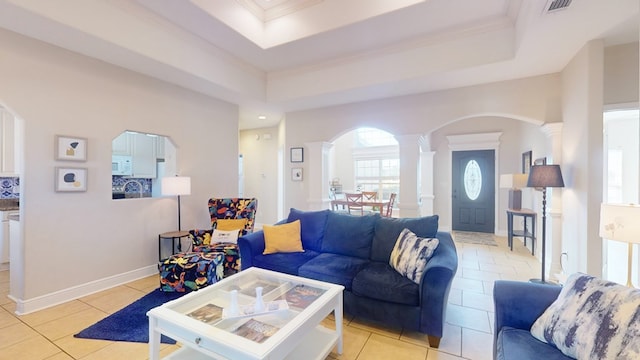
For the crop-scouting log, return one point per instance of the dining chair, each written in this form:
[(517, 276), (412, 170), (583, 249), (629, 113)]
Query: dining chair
[(370, 196), (389, 205), (354, 202)]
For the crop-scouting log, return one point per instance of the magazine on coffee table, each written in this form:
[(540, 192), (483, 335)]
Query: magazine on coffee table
[(255, 330), (300, 296), (208, 313), (267, 287)]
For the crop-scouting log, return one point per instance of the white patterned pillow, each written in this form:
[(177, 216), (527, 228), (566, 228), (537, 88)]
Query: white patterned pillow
[(592, 319), (411, 253)]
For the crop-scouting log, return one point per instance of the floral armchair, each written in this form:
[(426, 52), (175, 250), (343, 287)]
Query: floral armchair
[(226, 214)]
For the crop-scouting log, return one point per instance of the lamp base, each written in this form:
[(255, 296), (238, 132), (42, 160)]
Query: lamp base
[(515, 199)]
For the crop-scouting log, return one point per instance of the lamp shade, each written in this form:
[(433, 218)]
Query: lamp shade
[(544, 176), (620, 222), (513, 181), (176, 185)]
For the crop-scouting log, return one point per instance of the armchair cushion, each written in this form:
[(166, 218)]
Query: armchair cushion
[(592, 319), (230, 224)]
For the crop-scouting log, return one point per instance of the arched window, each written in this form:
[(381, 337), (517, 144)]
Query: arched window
[(376, 162)]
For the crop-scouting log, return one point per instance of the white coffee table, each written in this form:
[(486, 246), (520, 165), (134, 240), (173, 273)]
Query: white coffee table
[(195, 320)]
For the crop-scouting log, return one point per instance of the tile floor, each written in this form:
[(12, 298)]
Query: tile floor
[(48, 334)]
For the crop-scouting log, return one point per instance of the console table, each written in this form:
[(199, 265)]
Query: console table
[(524, 233)]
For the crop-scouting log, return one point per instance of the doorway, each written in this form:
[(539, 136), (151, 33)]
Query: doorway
[(473, 190)]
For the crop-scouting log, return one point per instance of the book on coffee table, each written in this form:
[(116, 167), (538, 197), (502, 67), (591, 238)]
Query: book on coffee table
[(208, 313), (255, 330), (300, 296)]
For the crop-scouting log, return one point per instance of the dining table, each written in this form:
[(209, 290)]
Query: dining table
[(337, 203)]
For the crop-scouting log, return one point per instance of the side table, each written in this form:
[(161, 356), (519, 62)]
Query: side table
[(524, 233), (173, 235)]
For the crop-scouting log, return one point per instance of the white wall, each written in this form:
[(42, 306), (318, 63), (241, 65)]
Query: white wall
[(80, 242), (621, 74), (582, 86), (535, 100)]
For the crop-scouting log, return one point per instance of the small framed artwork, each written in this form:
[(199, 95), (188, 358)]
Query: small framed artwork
[(296, 174), (297, 155), (540, 161), (526, 162), (70, 179), (71, 148)]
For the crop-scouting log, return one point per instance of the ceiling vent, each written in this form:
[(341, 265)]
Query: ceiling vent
[(555, 5)]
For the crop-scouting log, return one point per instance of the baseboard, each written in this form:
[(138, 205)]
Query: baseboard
[(62, 296)]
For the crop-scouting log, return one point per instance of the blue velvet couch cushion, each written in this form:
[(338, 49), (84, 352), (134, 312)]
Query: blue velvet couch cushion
[(337, 269), (519, 344), (312, 225), (287, 263), (380, 281), (388, 229), (349, 235)]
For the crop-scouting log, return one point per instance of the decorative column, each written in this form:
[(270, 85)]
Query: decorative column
[(409, 146), (426, 178), (553, 131), (317, 174)]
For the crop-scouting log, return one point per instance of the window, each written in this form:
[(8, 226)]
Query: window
[(472, 180), (370, 137), (377, 164)]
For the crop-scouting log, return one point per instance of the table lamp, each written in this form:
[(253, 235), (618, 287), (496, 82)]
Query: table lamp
[(621, 223), (176, 185), (514, 182), (542, 177)]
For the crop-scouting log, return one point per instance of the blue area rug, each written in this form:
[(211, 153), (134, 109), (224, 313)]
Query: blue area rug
[(130, 323)]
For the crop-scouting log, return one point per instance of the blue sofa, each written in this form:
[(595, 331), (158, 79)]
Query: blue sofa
[(354, 251), (517, 306)]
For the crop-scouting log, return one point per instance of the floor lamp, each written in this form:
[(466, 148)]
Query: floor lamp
[(621, 223), (542, 177), (176, 185)]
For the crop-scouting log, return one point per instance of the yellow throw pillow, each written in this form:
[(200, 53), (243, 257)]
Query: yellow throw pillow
[(231, 224), (282, 238)]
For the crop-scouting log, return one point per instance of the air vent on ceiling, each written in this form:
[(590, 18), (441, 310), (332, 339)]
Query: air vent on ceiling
[(555, 5)]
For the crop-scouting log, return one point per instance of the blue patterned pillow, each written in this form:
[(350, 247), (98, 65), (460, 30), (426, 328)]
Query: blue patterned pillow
[(411, 253), (592, 319)]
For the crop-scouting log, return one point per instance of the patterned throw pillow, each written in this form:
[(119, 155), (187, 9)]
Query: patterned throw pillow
[(411, 254), (592, 319)]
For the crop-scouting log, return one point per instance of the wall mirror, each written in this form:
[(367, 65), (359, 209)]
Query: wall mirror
[(138, 163)]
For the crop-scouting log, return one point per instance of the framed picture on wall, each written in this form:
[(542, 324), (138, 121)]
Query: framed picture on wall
[(70, 179), (297, 155), (526, 162), (296, 174), (71, 148)]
